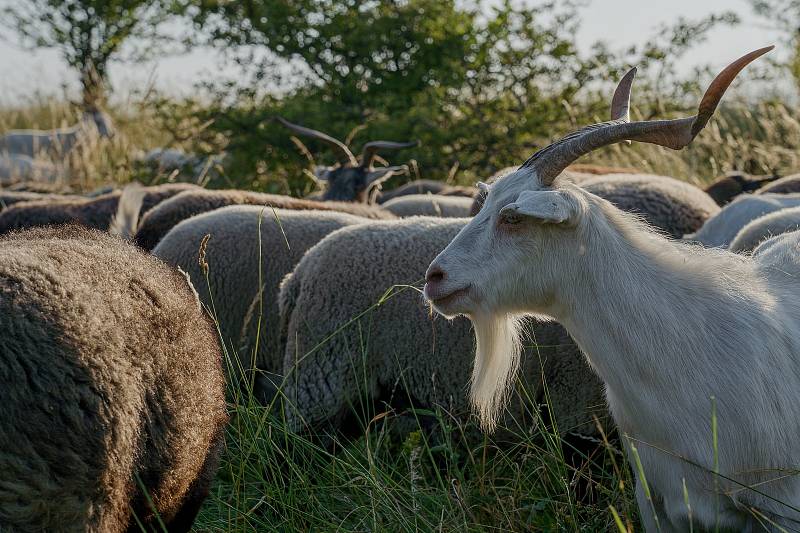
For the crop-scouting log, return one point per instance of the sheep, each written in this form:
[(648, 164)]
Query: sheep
[(686, 339), (331, 359), (787, 184), (430, 205), (762, 228), (232, 253), (351, 180), (727, 187), (9, 198), (719, 230), (18, 167), (58, 142), (113, 391), (166, 215), (425, 187), (91, 212)]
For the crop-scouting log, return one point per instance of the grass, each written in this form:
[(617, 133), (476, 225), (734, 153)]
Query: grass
[(422, 469)]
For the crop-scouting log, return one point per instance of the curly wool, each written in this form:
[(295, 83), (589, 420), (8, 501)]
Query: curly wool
[(425, 187), (90, 212), (762, 228), (331, 360), (112, 378), (432, 205), (233, 259), (720, 230), (157, 223), (673, 206)]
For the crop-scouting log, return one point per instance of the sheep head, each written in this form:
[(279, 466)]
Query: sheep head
[(524, 247), (351, 179)]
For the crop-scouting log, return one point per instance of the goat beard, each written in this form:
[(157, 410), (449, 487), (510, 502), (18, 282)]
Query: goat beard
[(496, 362)]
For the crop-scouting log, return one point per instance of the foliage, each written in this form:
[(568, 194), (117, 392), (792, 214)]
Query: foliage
[(90, 33)]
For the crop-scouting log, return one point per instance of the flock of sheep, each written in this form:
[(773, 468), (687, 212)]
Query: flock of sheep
[(114, 398)]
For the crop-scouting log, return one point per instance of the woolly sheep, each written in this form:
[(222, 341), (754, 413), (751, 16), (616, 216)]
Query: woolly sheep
[(762, 228), (329, 361), (58, 142), (91, 212), (232, 253), (112, 383), (9, 198), (719, 230), (429, 204), (166, 215), (788, 184), (425, 187), (682, 336), (726, 188)]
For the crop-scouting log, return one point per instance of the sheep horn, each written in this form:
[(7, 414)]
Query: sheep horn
[(371, 149), (343, 153), (550, 161)]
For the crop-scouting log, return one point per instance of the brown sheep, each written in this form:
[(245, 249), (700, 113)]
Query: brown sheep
[(157, 223), (90, 212), (113, 386), (787, 184)]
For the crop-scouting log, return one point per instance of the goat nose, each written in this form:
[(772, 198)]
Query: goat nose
[(434, 274)]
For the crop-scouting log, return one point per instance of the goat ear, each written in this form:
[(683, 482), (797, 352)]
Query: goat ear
[(546, 207), (382, 174)]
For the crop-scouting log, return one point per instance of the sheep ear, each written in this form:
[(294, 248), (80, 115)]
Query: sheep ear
[(382, 174), (546, 207)]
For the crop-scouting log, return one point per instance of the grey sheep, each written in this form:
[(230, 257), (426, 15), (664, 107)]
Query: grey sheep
[(434, 205), (425, 187), (787, 184), (112, 387), (720, 230), (158, 222), (671, 205), (398, 349), (91, 212), (232, 254), (725, 188), (762, 228)]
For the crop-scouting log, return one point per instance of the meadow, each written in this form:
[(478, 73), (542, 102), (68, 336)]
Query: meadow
[(415, 469)]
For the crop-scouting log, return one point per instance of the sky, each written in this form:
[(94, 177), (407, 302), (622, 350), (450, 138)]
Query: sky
[(620, 23)]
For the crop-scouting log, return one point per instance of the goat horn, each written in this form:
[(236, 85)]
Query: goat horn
[(343, 154), (550, 161), (621, 101), (371, 149)]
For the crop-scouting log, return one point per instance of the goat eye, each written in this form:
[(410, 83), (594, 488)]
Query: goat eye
[(510, 219)]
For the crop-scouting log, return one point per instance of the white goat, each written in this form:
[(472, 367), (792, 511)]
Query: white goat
[(59, 141), (680, 335)]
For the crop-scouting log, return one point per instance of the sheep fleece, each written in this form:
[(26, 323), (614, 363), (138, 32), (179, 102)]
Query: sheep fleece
[(400, 344), (157, 223), (111, 372)]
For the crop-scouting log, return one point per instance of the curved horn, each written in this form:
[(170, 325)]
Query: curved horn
[(371, 149), (621, 101), (550, 161), (343, 154)]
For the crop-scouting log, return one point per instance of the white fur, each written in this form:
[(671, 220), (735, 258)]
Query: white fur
[(667, 326)]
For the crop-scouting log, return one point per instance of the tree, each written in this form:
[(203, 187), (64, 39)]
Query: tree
[(90, 33)]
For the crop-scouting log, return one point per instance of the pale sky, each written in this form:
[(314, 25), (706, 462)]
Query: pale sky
[(620, 23)]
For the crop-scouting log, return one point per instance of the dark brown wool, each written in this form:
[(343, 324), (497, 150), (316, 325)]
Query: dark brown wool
[(111, 381), (156, 224), (90, 212)]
